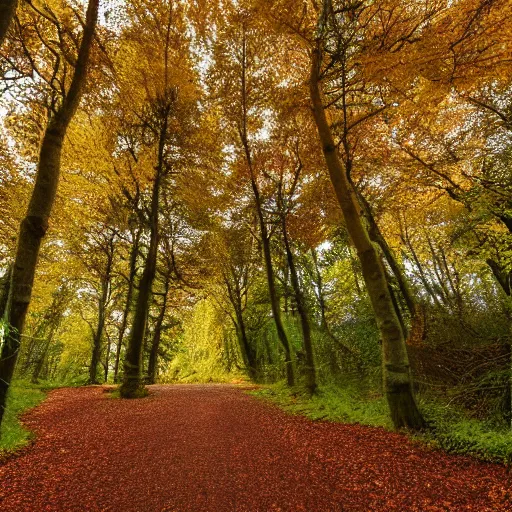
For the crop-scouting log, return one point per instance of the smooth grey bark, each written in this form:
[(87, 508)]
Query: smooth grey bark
[(35, 224)]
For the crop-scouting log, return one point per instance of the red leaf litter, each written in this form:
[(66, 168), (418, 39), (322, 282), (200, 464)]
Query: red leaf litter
[(213, 448)]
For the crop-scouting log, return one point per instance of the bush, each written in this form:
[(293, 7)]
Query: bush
[(454, 432)]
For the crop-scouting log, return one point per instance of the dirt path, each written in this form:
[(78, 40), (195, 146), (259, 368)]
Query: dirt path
[(213, 448)]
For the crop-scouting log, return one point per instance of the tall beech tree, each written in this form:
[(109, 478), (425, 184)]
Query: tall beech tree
[(341, 25), (156, 139), (285, 199), (239, 67), (35, 223), (135, 236)]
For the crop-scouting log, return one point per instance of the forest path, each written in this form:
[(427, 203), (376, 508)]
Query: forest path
[(213, 448)]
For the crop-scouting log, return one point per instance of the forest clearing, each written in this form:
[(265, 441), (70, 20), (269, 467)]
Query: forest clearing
[(310, 197)]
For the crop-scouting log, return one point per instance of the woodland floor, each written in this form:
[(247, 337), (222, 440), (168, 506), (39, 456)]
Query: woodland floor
[(213, 448)]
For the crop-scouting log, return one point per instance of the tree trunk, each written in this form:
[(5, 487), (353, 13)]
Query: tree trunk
[(265, 238), (102, 314), (396, 370), (274, 302), (377, 237), (7, 12), (235, 297), (507, 396), (324, 324), (34, 225), (40, 362), (157, 334), (96, 345), (129, 294), (133, 384), (502, 276), (247, 352), (311, 379), (107, 358), (55, 323)]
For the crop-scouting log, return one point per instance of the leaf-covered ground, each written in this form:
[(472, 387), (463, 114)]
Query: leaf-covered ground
[(213, 448)]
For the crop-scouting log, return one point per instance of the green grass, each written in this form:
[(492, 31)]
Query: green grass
[(452, 431), (449, 429), (346, 404), (22, 397)]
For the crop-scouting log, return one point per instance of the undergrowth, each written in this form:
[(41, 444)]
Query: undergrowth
[(22, 397), (454, 432), (448, 430), (345, 404)]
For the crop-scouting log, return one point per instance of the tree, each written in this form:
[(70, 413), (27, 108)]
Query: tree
[(396, 370), (158, 131), (35, 223), (239, 59)]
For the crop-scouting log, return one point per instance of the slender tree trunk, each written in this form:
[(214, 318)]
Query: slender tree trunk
[(503, 277), (274, 303), (103, 301), (40, 361), (324, 324), (107, 358), (377, 237), (507, 396), (265, 238), (7, 12), (128, 304), (55, 322), (247, 351), (133, 384), (423, 277), (157, 335), (34, 225), (396, 370), (100, 328), (311, 378), (320, 285), (235, 297)]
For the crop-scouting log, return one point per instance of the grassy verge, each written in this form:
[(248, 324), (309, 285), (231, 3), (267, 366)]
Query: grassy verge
[(452, 431), (347, 404), (22, 397), (449, 430)]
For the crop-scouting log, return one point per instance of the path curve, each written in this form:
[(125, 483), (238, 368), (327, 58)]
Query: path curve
[(212, 448)]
